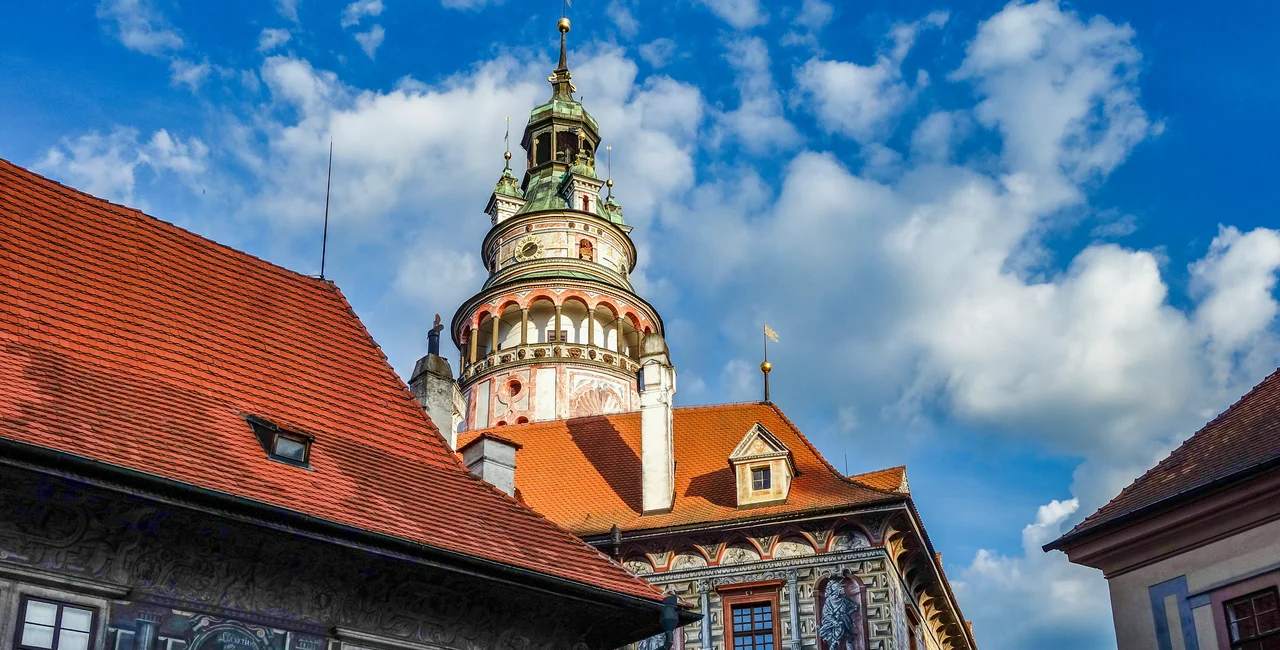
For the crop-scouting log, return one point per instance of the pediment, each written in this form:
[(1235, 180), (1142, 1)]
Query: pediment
[(758, 443)]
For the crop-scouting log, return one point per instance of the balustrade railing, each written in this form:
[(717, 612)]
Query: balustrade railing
[(533, 352)]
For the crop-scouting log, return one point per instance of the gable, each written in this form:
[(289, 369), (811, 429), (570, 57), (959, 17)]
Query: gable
[(757, 444)]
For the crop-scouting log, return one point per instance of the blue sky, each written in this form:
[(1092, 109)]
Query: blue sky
[(1023, 249)]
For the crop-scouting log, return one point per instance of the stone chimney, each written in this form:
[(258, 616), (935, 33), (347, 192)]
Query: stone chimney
[(657, 452), (493, 459), (432, 383)]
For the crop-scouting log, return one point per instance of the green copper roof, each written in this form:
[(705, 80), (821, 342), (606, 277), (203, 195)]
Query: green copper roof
[(508, 185), (612, 211), (567, 108)]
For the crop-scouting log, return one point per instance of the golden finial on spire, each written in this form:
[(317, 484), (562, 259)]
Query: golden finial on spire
[(507, 139), (609, 161), (765, 366), (563, 25)]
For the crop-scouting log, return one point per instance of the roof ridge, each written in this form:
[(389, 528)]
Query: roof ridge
[(1094, 519), (124, 210), (820, 457)]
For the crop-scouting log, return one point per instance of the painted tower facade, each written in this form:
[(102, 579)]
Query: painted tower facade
[(557, 330)]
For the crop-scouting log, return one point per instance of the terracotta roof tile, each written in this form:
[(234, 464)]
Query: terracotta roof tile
[(584, 473), (1242, 438), (133, 342)]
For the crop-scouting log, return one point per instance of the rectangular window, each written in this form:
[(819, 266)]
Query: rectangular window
[(51, 625), (1254, 621), (760, 479), (291, 448), (752, 626)]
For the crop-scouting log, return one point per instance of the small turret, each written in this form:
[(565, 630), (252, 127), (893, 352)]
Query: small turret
[(507, 199)]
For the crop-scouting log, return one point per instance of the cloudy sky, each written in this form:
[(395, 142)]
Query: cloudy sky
[(1022, 248)]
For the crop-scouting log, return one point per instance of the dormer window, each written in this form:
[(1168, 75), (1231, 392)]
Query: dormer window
[(282, 446), (762, 469), (760, 479)]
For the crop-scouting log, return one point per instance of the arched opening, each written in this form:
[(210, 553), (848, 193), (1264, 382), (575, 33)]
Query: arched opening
[(484, 336), (573, 320), (542, 316), (509, 326), (566, 146), (542, 148)]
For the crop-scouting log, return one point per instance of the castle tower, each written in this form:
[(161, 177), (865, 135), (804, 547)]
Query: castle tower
[(557, 330)]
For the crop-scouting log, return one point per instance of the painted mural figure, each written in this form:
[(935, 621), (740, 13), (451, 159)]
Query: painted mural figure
[(841, 617)]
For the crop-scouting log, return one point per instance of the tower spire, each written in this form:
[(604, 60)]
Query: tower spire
[(561, 79)]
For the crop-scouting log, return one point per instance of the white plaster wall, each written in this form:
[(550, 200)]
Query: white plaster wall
[(1208, 565), (544, 384), (480, 395)]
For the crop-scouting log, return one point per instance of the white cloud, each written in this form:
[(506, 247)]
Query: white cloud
[(1060, 91), (359, 10), (270, 39), (139, 26), (188, 73), (758, 122), (621, 15), (288, 9), (371, 40), (658, 53), (1236, 284), (106, 165), (1045, 595), (937, 133), (813, 18), (469, 4), (814, 15), (741, 14), (863, 101)]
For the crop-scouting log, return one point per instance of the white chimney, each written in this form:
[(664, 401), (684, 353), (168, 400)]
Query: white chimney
[(657, 452), (493, 459)]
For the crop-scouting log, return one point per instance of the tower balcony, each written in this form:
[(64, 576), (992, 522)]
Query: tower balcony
[(540, 353)]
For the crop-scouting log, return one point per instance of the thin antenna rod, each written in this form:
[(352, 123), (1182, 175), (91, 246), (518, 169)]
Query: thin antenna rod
[(328, 183)]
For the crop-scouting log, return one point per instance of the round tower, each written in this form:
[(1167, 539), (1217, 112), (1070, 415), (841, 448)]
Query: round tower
[(557, 329)]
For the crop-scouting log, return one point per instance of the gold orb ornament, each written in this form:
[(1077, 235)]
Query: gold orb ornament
[(766, 366), (563, 25), (507, 155)]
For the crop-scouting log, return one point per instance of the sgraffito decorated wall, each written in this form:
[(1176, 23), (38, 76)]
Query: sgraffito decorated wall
[(168, 578)]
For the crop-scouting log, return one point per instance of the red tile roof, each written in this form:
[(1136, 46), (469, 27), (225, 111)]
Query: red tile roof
[(133, 342), (893, 479), (1241, 439), (584, 473)]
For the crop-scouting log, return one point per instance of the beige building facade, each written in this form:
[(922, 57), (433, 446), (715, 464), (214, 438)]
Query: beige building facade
[(1191, 550)]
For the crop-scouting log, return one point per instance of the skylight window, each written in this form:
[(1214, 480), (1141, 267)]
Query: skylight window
[(290, 448), (282, 446)]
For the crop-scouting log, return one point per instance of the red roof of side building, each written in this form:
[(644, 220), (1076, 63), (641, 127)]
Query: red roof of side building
[(1243, 439), (132, 342), (584, 473)]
